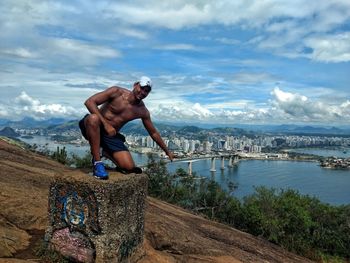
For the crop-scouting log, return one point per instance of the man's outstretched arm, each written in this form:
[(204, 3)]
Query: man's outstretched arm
[(152, 131)]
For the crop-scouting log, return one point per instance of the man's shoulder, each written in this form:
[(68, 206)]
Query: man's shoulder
[(117, 91), (117, 88), (144, 110), (142, 105)]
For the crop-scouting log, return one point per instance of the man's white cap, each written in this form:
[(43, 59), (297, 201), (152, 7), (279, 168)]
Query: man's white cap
[(145, 81)]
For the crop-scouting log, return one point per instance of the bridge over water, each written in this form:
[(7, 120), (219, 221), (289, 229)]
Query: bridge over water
[(232, 160)]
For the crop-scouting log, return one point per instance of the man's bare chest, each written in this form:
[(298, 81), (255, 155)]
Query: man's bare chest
[(121, 107)]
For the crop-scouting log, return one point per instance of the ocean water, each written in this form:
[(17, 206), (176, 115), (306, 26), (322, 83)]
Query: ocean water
[(308, 178)]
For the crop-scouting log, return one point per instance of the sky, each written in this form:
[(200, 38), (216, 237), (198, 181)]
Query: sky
[(219, 62)]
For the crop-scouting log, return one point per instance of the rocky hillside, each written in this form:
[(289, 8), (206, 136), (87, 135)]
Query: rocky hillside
[(171, 233)]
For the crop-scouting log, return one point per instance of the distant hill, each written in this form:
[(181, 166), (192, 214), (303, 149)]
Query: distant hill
[(318, 130), (166, 129), (29, 122), (297, 129), (61, 127), (190, 129), (314, 130), (136, 127), (9, 132), (233, 131)]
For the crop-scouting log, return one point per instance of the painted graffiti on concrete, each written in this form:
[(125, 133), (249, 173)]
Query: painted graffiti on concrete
[(75, 217), (73, 245), (76, 208), (95, 221)]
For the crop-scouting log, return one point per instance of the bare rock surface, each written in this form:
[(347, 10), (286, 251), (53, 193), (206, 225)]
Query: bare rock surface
[(172, 234), (12, 238)]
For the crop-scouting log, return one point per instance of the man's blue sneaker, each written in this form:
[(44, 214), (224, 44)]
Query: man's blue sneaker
[(100, 171)]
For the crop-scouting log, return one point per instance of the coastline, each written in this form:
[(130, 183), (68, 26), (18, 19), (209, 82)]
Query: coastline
[(283, 155)]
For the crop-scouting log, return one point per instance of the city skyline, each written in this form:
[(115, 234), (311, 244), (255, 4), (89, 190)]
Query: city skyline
[(256, 62)]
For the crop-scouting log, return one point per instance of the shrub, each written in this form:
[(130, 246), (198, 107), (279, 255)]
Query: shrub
[(82, 162), (60, 155)]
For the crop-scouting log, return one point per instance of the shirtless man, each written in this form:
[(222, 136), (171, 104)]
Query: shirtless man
[(101, 127)]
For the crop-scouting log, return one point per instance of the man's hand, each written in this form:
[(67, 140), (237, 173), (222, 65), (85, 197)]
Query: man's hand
[(109, 129), (171, 156)]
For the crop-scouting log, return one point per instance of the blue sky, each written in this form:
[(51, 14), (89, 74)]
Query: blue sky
[(224, 62)]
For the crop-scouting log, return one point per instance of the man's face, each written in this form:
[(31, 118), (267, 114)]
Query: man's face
[(141, 92)]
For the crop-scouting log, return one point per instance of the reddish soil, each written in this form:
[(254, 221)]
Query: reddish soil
[(172, 234)]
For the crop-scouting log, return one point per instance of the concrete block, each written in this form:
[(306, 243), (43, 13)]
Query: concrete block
[(92, 220)]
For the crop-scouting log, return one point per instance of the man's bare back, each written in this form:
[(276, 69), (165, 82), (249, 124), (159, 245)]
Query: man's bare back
[(117, 107)]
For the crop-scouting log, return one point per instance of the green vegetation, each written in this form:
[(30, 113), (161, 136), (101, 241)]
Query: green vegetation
[(82, 162), (301, 224), (60, 155)]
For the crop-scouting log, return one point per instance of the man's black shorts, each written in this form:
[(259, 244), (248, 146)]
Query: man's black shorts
[(108, 143)]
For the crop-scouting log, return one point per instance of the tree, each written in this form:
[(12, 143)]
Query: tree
[(301, 224), (159, 179)]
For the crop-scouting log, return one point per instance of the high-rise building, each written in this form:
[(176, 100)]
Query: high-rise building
[(150, 142), (186, 146), (192, 146)]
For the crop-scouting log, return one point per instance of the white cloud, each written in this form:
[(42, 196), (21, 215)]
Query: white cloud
[(330, 48), (81, 52), (300, 108), (19, 52), (249, 78), (26, 101), (196, 113), (4, 113), (200, 111), (286, 97), (280, 26), (25, 105), (237, 104), (173, 15), (284, 107), (176, 47), (62, 52), (182, 14), (181, 112), (131, 32), (80, 47)]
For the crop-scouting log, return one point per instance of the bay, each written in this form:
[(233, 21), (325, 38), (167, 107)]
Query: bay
[(81, 150), (308, 178)]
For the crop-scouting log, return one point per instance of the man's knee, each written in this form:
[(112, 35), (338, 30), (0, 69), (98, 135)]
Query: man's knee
[(127, 166), (93, 121)]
